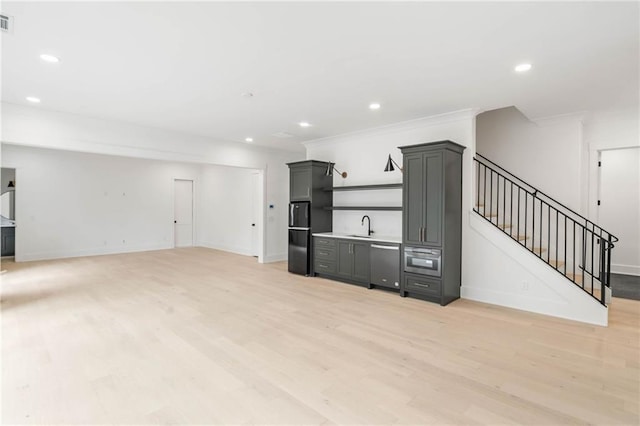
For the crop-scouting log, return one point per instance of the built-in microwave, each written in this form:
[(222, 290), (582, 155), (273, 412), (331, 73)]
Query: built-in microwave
[(423, 261)]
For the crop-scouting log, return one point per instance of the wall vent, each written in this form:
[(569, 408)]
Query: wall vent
[(6, 23)]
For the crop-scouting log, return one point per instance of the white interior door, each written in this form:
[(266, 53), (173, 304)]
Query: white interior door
[(256, 197), (619, 210), (183, 213)]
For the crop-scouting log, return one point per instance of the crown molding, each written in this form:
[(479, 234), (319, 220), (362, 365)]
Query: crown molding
[(580, 116), (401, 126)]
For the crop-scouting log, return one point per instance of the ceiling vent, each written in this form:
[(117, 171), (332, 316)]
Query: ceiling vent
[(6, 23), (283, 135)]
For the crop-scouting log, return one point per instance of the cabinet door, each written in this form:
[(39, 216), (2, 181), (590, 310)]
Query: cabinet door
[(300, 184), (413, 198), (361, 264), (344, 267), (433, 199)]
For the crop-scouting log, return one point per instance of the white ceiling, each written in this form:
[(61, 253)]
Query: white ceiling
[(184, 66)]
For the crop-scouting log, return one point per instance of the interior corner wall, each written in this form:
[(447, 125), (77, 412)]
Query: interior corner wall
[(546, 155), (225, 209), (36, 127)]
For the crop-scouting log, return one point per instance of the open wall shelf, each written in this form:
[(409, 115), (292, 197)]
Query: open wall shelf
[(380, 208), (365, 187)]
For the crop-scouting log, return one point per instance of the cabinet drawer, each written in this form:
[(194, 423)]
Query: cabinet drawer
[(325, 253), (324, 267), (324, 242), (422, 285)]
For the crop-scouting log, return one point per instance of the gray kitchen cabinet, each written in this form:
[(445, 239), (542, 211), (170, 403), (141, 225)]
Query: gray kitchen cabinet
[(300, 184), (308, 182), (423, 199), (344, 259), (8, 240), (361, 266), (432, 217)]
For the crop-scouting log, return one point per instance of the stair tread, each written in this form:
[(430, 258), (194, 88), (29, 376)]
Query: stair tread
[(556, 263), (538, 250)]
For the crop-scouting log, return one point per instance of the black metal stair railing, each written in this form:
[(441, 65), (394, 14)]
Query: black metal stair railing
[(574, 246)]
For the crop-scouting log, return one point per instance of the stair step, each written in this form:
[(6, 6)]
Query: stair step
[(520, 237), (556, 263), (539, 250), (577, 278), (504, 225), (489, 214)]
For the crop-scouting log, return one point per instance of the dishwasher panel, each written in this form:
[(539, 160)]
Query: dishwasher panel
[(385, 265)]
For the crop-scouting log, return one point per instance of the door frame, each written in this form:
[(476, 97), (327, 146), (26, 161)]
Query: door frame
[(595, 154), (262, 213), (193, 210)]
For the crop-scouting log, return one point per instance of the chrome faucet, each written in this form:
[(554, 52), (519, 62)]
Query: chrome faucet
[(369, 231)]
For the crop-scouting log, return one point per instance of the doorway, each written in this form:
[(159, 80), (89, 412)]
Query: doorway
[(183, 213), (619, 205), (8, 211)]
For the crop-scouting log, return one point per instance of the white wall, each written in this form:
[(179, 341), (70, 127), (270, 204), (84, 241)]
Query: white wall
[(28, 126), (78, 204), (363, 155), (606, 132), (546, 154), (225, 209)]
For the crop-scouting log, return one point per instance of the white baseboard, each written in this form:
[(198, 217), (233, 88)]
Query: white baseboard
[(96, 251), (625, 269), (279, 257), (231, 249)]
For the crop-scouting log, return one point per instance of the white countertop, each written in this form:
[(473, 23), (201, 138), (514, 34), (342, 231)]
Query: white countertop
[(372, 238), (7, 223)]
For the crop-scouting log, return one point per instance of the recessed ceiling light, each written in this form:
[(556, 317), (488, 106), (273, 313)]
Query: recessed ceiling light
[(247, 95), (523, 67), (49, 58), (374, 105), (248, 139), (304, 124), (33, 99)]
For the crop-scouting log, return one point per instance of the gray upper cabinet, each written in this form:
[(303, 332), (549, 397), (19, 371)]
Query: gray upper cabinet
[(432, 216), (308, 182), (423, 199), (300, 184)]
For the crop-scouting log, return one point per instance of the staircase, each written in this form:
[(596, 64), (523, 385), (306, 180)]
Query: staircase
[(572, 245)]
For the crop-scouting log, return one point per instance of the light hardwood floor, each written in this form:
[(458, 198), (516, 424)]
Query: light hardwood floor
[(207, 337)]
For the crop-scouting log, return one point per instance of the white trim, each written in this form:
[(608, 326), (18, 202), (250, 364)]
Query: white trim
[(278, 257), (244, 251), (560, 118), (399, 127), (98, 251), (625, 269)]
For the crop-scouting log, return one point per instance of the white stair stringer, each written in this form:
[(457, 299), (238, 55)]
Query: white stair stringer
[(497, 270)]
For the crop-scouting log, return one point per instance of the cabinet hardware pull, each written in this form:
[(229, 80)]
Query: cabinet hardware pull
[(385, 247), (421, 285)]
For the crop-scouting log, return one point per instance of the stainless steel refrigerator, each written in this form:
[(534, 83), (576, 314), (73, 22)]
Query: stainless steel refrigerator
[(299, 238)]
